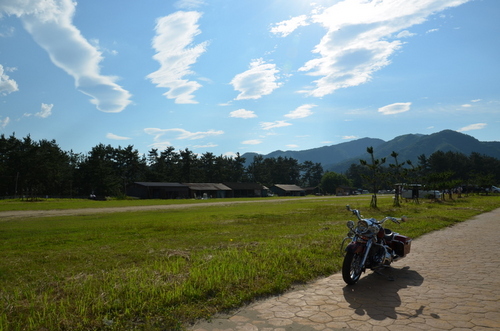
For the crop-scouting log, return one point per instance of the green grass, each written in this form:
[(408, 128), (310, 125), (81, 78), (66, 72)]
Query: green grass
[(164, 269)]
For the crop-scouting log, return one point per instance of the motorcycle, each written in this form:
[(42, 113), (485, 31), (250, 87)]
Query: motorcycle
[(371, 246)]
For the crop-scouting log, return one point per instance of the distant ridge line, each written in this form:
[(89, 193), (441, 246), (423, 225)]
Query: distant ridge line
[(339, 157)]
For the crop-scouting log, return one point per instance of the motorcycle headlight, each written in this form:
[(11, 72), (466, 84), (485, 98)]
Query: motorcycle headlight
[(362, 226), (350, 224)]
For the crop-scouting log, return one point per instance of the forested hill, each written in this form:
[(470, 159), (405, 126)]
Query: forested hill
[(339, 157)]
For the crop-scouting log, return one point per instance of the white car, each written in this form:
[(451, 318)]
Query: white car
[(495, 189), (422, 194)]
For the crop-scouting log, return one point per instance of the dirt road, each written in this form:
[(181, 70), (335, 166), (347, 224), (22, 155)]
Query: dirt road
[(17, 214)]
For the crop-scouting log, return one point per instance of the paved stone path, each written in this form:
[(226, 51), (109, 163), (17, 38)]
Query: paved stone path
[(449, 281)]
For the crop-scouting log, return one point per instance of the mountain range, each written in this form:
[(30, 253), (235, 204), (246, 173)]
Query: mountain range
[(339, 157)]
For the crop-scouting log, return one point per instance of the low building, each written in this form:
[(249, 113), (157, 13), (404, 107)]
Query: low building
[(247, 190), (283, 190), (158, 190), (345, 190), (315, 190), (208, 190)]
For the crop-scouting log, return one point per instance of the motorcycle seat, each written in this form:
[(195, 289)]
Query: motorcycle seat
[(389, 235)]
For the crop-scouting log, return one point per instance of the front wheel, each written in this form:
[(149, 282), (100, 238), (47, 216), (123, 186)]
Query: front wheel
[(352, 268)]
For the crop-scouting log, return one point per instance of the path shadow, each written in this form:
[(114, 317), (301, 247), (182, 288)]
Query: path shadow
[(376, 294)]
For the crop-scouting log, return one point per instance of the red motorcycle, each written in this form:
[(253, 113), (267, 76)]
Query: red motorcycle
[(371, 246)]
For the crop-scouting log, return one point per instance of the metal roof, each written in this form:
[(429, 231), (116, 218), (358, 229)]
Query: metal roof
[(288, 187), (207, 186), (160, 184), (244, 186)]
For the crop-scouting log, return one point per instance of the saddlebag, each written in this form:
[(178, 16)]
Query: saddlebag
[(401, 245)]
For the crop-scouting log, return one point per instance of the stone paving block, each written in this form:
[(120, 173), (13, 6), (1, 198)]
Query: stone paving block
[(445, 283)]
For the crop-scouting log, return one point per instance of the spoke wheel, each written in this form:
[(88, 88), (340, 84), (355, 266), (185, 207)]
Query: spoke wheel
[(351, 268)]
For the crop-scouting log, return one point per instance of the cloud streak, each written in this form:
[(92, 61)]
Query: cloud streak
[(273, 125), (259, 80), (45, 110), (395, 108), (284, 28), (178, 134), (477, 126), (243, 113), (360, 39), (301, 112), (7, 85), (50, 23), (176, 54), (4, 122), (113, 136)]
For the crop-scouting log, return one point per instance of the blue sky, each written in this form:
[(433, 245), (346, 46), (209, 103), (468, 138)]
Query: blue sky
[(226, 76)]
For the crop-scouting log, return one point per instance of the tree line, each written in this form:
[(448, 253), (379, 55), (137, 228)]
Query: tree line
[(447, 172), (42, 168)]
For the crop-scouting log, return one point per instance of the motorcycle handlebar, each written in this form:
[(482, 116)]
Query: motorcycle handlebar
[(355, 212), (395, 220)]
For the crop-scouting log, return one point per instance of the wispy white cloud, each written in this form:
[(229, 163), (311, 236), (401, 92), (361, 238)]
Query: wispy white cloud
[(301, 112), (7, 32), (7, 85), (432, 30), (161, 141), (4, 122), (260, 79), (292, 146), (405, 34), (116, 137), (284, 28), (467, 105), (395, 108), (477, 126), (50, 23), (349, 137), (475, 100), (252, 142), (273, 125), (189, 4), (242, 113), (45, 111), (176, 54), (211, 145), (360, 39), (97, 45)]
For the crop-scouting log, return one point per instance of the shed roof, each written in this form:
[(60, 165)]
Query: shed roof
[(244, 186), (207, 186), (289, 187), (160, 184)]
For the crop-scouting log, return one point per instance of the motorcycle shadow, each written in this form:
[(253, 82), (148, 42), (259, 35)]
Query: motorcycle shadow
[(376, 294)]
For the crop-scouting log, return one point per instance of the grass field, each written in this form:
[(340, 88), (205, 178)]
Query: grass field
[(161, 270)]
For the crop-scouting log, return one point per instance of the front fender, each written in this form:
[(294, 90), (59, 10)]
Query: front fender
[(355, 248)]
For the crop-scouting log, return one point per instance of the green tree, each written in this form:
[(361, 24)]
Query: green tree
[(96, 173), (376, 175), (311, 174), (128, 165), (332, 180), (397, 178), (189, 166), (258, 172)]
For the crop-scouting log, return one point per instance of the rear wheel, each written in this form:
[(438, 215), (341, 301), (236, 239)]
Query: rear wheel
[(351, 268)]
